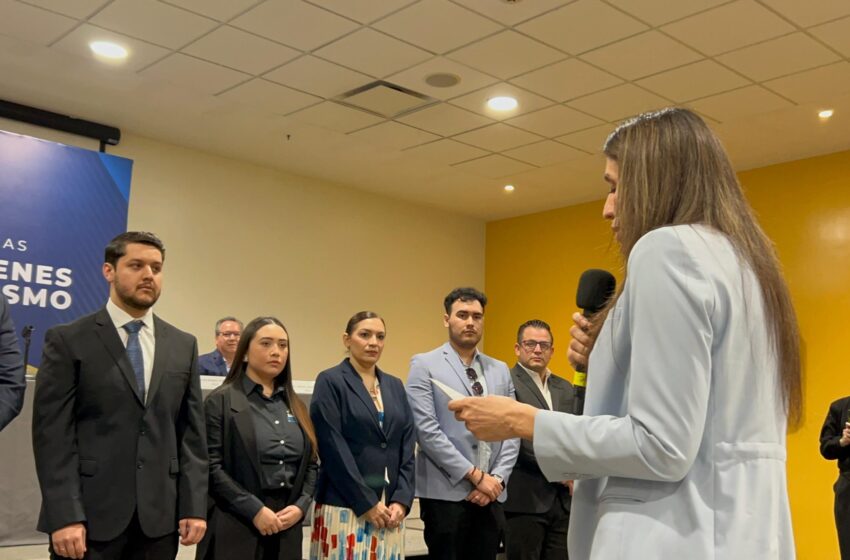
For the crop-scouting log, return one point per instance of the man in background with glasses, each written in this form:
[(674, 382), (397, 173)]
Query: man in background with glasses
[(460, 481), (537, 511), (218, 362)]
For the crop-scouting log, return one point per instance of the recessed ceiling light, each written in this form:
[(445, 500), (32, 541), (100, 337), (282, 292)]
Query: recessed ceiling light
[(825, 114), (509, 188), (108, 49), (442, 80), (502, 103)]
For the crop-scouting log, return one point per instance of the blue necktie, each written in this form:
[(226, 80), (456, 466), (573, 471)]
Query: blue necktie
[(134, 352)]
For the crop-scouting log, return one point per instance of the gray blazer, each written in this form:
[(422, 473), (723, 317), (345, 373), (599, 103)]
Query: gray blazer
[(447, 450), (528, 490)]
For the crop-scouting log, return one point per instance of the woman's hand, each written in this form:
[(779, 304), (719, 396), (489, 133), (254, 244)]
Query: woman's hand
[(289, 516), (379, 515), (267, 522), (495, 418), (397, 515)]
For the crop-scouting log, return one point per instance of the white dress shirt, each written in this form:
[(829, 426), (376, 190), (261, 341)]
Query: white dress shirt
[(542, 384)]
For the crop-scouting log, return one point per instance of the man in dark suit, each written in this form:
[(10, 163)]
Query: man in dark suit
[(12, 376), (835, 445), (118, 422), (218, 362), (537, 511)]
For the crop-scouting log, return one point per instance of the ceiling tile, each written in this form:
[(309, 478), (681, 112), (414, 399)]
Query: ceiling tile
[(393, 135), (658, 12), (268, 97), (813, 86), (554, 121), (364, 12), (510, 13), (437, 25), (836, 34), (386, 101), (79, 9), (696, 80), (498, 137), (619, 102), (477, 101), (372, 52), (566, 80), (194, 73), (222, 10), (581, 26), (32, 24), (493, 166), (778, 57), (445, 151), (810, 13), (506, 55), (589, 140), (414, 78), (642, 55), (294, 23), (241, 51), (742, 23), (336, 117), (739, 103), (153, 21), (318, 77), (544, 153), (445, 120), (140, 53)]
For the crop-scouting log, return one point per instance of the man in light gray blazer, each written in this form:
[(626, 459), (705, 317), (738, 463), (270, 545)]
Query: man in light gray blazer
[(460, 481), (537, 511)]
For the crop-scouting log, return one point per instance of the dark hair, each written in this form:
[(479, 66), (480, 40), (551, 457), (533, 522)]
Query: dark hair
[(240, 365), (535, 324), (117, 248), (224, 320), (464, 294), (361, 316)]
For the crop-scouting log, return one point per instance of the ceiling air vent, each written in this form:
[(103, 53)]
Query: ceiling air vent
[(385, 99)]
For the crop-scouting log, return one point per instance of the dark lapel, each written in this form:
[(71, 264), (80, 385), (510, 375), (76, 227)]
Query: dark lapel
[(160, 355), (355, 383), (457, 366), (529, 384), (108, 334), (556, 392), (244, 423)]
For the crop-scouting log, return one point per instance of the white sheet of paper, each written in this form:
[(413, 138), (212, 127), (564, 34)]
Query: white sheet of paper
[(450, 393)]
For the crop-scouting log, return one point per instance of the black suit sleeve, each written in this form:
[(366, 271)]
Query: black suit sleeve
[(192, 441), (54, 435), (830, 434), (12, 369), (406, 486), (308, 488)]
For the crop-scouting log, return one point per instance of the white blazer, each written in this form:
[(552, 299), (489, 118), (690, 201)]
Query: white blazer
[(683, 440)]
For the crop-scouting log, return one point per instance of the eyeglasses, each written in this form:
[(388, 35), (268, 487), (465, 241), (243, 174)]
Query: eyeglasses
[(229, 334), (530, 345), (477, 388)]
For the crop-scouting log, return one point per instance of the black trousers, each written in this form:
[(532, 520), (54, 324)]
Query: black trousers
[(285, 545), (538, 536), (462, 530), (842, 513), (132, 544)]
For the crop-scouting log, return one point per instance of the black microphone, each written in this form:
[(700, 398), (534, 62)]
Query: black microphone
[(26, 334), (595, 288)]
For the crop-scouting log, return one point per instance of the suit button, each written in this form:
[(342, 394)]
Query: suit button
[(474, 446), (383, 445), (139, 465), (141, 433)]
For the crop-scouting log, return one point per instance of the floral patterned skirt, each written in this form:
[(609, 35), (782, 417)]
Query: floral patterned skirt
[(338, 534)]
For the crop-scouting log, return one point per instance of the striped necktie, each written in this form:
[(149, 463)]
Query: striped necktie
[(134, 352)]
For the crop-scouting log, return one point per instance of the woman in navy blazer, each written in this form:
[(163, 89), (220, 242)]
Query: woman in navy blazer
[(364, 429)]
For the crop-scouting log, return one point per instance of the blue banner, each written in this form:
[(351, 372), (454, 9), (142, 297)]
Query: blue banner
[(59, 207)]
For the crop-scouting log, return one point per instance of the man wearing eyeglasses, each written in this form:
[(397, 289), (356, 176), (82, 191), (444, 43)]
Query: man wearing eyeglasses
[(218, 362), (537, 511), (460, 481)]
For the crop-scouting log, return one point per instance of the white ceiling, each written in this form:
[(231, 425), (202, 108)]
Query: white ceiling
[(257, 80)]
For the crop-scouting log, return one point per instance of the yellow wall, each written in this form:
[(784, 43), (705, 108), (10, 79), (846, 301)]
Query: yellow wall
[(533, 264)]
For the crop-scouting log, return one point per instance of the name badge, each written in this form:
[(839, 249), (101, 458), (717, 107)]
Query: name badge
[(290, 418)]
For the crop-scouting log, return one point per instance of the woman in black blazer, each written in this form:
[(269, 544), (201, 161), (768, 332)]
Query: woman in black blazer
[(262, 449), (364, 428)]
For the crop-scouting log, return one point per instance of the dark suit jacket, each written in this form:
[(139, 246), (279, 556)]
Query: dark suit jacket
[(839, 413), (528, 489), (212, 364), (355, 451), (100, 453), (12, 374), (235, 474)]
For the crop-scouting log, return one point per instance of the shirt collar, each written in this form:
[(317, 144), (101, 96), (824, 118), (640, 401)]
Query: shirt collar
[(250, 386), (475, 356), (536, 375), (120, 317)]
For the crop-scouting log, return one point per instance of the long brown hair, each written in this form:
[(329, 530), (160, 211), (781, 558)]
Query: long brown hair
[(673, 170), (240, 365)]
